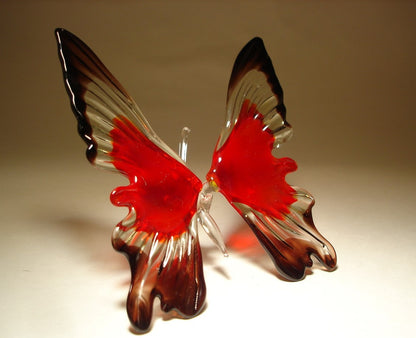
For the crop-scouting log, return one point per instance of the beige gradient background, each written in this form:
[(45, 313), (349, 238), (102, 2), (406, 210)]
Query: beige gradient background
[(348, 72)]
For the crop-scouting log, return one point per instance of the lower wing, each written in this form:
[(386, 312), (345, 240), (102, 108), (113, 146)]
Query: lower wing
[(292, 239)]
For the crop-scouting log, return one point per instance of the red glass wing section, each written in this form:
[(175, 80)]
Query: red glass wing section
[(245, 170), (162, 194)]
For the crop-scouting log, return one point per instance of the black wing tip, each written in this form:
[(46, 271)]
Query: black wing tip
[(64, 36), (255, 41), (62, 33), (252, 54), (59, 30), (255, 44)]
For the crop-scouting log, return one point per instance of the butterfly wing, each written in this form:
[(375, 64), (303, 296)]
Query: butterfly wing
[(252, 179), (158, 234)]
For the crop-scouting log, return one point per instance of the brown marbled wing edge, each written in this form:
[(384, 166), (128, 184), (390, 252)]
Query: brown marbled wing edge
[(168, 268), (80, 67), (253, 78), (254, 56), (292, 240)]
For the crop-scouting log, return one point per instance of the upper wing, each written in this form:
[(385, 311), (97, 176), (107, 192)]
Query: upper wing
[(252, 179), (158, 234), (97, 98)]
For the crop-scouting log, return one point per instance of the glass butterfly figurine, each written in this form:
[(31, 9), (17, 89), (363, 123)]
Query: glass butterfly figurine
[(166, 202)]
